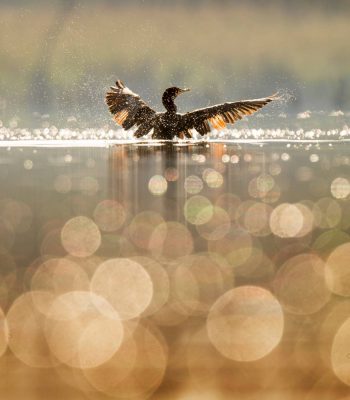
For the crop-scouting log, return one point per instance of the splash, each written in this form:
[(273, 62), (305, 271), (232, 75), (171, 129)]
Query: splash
[(105, 137)]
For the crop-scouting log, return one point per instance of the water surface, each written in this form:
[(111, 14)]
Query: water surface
[(212, 270)]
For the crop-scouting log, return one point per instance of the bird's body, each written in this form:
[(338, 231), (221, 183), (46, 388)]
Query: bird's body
[(129, 110), (166, 125)]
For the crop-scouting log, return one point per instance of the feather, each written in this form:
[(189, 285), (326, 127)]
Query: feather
[(221, 114), (127, 107)]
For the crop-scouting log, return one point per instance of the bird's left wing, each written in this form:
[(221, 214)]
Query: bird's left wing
[(128, 108), (228, 113)]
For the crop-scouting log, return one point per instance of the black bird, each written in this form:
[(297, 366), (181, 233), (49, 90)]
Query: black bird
[(129, 110)]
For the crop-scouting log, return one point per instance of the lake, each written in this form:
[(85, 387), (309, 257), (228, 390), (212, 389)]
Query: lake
[(214, 270)]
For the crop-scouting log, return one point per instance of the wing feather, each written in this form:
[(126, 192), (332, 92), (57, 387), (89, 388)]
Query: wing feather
[(128, 109), (228, 113)]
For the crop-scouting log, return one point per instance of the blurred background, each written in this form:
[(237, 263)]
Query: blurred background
[(211, 271), (59, 57)]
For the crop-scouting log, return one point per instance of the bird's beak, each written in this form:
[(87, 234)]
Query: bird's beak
[(185, 90)]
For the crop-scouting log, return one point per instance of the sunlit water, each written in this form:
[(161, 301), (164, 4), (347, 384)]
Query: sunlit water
[(276, 125), (111, 136), (185, 271)]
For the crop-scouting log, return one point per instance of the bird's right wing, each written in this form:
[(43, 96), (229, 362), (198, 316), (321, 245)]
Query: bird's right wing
[(218, 116), (129, 109)]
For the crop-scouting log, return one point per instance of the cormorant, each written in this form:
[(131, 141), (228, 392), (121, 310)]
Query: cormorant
[(129, 110)]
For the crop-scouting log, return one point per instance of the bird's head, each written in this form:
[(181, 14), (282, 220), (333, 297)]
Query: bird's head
[(173, 92), (169, 96)]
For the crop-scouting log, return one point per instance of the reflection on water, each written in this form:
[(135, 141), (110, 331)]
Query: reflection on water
[(211, 271)]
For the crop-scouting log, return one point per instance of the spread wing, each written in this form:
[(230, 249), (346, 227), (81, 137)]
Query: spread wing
[(218, 116), (129, 109)]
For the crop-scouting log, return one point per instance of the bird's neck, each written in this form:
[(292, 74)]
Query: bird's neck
[(168, 103)]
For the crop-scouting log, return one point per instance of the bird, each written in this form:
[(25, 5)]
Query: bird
[(129, 110)]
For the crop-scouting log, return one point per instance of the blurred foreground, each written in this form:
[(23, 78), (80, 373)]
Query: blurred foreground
[(195, 272)]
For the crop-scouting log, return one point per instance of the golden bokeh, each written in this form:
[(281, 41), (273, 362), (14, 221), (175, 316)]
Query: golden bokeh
[(17, 213), (80, 236), (173, 312), (327, 213), (260, 186), (142, 226), (160, 282), (26, 323), (337, 270), (286, 220), (193, 184), (157, 185), (171, 174), (308, 219), (198, 210), (216, 227), (57, 276), (133, 376), (340, 353), (51, 244), (256, 219), (188, 271), (246, 323), (125, 284), (340, 188), (63, 183), (198, 280), (4, 333), (236, 247), (89, 185), (293, 282), (8, 279), (82, 329), (107, 376), (109, 215), (170, 240), (229, 202), (213, 178)]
